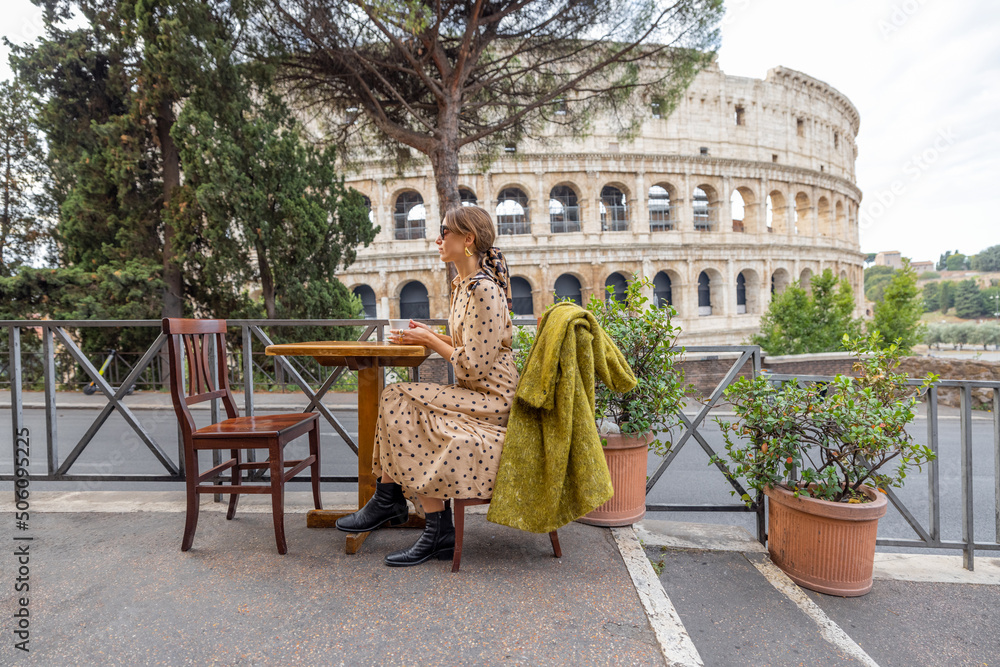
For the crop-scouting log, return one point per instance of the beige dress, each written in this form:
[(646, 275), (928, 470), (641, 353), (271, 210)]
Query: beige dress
[(444, 441)]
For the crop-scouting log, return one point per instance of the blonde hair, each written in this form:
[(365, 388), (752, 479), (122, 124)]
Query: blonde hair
[(472, 220)]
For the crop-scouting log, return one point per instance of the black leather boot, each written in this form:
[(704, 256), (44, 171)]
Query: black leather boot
[(438, 539), (387, 506)]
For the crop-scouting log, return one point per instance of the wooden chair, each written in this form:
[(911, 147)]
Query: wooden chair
[(459, 506), (271, 432)]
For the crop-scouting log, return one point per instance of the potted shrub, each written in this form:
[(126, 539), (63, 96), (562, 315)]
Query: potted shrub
[(822, 452), (630, 424)]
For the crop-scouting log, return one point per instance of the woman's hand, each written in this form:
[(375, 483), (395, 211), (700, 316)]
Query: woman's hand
[(418, 334)]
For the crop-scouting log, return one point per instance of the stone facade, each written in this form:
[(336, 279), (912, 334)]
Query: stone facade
[(782, 149)]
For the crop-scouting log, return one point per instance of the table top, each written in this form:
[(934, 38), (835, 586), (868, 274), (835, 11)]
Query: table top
[(347, 348)]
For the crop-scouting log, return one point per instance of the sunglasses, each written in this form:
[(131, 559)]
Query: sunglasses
[(444, 230)]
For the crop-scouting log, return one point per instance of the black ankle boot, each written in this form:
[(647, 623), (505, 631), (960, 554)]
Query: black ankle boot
[(387, 506), (438, 539)]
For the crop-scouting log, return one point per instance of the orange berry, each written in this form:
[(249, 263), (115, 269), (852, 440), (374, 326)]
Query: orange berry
[(788, 460)]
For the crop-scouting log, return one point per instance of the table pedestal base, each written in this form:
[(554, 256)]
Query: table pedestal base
[(328, 519)]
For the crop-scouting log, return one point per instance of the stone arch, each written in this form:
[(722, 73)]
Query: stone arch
[(568, 286), (564, 208), (747, 292), (744, 210), (710, 297), (776, 212), (467, 196), (802, 221), (805, 279), (663, 290), (614, 208), (823, 214), (619, 282), (677, 291), (409, 215), (705, 207), (414, 302), (521, 298), (661, 204), (513, 212), (780, 280), (840, 228), (368, 300)]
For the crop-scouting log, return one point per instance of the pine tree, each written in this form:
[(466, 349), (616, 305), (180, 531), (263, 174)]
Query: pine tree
[(797, 322), (133, 209), (932, 296), (897, 316), (947, 298), (25, 208), (968, 300)]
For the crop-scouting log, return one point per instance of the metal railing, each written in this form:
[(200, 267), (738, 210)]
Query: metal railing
[(315, 383), (747, 354), (408, 230), (566, 221), (614, 217), (509, 224), (55, 333)]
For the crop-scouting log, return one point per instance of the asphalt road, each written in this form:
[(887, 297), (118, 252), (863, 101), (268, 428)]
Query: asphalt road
[(689, 480)]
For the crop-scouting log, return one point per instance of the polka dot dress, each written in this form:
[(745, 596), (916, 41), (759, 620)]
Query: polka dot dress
[(444, 441)]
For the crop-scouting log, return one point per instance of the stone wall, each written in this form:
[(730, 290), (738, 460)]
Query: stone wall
[(704, 373), (955, 369)]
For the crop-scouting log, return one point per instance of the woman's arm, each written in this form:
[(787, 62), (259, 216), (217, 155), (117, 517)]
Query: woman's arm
[(421, 334)]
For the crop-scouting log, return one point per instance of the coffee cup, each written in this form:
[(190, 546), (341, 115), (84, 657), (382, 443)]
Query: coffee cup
[(398, 325)]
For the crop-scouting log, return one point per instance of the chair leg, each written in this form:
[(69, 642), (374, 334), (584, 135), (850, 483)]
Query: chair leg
[(554, 536), (237, 480), (278, 496), (459, 519), (193, 504), (314, 468)]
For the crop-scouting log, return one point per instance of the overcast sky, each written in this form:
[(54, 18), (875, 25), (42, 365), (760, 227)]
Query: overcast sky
[(924, 75)]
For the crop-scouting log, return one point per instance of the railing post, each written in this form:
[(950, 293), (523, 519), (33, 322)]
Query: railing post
[(968, 532), (16, 404), (248, 382), (759, 502), (933, 469), (49, 380), (213, 372), (996, 459), (247, 371)]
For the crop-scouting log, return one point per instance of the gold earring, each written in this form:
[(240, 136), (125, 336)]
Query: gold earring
[(468, 253)]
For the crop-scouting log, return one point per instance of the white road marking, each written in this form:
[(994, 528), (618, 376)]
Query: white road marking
[(831, 632), (675, 643)]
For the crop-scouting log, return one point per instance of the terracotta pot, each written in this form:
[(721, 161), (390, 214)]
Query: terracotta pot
[(824, 546), (626, 456)]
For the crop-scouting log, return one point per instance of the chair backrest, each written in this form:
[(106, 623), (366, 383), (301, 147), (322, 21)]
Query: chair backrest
[(194, 336)]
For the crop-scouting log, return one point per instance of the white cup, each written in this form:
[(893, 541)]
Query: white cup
[(396, 325)]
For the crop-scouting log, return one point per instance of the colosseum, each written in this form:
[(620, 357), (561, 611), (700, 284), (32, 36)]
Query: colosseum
[(748, 185)]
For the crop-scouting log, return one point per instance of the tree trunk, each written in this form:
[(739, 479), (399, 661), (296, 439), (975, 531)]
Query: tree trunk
[(444, 161), (173, 298), (266, 281)]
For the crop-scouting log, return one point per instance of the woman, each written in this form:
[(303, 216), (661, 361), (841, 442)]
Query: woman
[(443, 441)]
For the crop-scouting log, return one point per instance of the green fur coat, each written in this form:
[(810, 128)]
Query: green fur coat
[(552, 468)]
